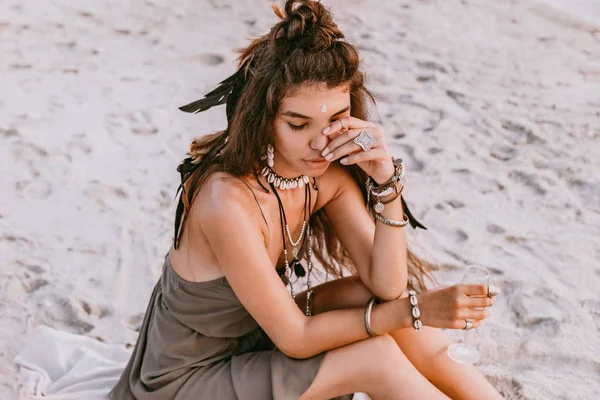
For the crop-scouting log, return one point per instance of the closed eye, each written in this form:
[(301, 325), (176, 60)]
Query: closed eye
[(297, 127)]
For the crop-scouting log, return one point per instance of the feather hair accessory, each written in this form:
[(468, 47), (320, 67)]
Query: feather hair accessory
[(228, 91)]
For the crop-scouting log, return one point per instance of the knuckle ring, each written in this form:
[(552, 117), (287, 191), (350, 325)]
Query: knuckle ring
[(342, 123), (468, 325), (365, 140)]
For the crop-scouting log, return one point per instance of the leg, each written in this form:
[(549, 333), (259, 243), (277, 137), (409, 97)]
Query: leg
[(375, 366), (426, 349)]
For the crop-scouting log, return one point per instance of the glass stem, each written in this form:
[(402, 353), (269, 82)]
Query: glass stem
[(466, 340)]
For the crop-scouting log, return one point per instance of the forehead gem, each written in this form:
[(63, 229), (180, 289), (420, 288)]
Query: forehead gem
[(324, 108)]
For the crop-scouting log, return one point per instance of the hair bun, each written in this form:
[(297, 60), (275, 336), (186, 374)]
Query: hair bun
[(305, 24)]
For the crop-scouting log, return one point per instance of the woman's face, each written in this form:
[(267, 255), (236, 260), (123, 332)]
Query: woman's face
[(299, 125)]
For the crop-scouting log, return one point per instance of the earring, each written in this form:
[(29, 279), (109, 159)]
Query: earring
[(270, 155)]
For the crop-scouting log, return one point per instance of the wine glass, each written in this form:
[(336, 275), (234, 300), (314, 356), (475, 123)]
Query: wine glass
[(463, 352)]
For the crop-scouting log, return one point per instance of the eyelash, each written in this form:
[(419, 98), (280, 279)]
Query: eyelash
[(300, 127), (297, 127)]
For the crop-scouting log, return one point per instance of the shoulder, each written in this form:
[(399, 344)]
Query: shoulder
[(225, 198)]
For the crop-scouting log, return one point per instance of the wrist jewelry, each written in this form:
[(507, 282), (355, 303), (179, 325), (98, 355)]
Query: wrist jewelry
[(388, 187), (416, 313), (392, 222), (368, 316)]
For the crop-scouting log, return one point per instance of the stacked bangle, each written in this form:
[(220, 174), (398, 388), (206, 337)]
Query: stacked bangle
[(416, 313), (375, 191)]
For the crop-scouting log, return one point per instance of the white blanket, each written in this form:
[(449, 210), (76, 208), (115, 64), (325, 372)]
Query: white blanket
[(57, 365)]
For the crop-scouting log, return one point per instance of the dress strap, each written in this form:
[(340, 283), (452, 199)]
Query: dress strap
[(255, 199)]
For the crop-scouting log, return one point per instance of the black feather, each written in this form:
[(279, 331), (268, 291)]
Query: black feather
[(413, 221)]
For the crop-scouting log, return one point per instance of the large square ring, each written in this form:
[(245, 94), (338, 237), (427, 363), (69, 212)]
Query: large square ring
[(365, 140)]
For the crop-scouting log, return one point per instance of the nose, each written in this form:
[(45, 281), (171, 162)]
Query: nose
[(319, 141)]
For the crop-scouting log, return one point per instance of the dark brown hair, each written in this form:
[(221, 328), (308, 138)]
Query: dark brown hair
[(304, 47)]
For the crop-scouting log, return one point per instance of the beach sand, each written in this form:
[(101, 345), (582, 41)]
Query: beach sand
[(494, 106)]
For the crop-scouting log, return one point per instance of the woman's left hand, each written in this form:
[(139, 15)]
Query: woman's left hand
[(376, 162)]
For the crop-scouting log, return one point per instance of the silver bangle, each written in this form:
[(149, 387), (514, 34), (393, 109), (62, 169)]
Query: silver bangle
[(368, 316), (416, 313), (391, 222)]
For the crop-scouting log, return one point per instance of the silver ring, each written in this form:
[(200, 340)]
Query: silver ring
[(468, 325), (365, 140), (342, 123)]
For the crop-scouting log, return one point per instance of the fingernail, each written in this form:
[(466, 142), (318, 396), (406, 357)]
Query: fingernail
[(344, 160), (326, 130), (495, 290), (329, 157), (324, 153)]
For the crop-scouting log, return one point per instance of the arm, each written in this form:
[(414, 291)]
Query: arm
[(378, 250), (223, 212)]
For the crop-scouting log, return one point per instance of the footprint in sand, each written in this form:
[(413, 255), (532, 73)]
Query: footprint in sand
[(105, 195), (521, 134), (538, 311), (211, 59), (493, 228), (530, 181), (53, 309), (509, 388), (413, 163)]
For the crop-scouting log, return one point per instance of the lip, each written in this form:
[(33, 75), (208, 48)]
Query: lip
[(317, 162), (318, 159)]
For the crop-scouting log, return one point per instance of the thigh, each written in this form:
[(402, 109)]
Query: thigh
[(375, 366)]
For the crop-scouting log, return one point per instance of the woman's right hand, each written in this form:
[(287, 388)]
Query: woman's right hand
[(449, 306)]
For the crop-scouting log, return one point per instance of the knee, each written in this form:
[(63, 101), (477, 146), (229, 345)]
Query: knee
[(386, 353)]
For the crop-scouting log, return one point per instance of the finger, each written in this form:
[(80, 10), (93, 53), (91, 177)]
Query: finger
[(340, 140), (347, 148), (494, 290), (373, 154), (479, 302), (348, 123), (474, 289), (474, 314), (461, 323)]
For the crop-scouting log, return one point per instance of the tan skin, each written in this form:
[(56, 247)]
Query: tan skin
[(233, 240)]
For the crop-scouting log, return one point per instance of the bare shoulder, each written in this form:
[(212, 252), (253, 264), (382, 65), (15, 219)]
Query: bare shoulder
[(224, 198)]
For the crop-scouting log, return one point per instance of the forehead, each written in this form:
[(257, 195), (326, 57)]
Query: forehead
[(308, 98)]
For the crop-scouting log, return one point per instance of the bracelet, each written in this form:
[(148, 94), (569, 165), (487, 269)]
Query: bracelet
[(398, 176), (416, 313), (379, 204), (390, 200), (368, 316), (392, 222)]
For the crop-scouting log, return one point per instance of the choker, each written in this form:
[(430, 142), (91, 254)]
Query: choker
[(284, 183)]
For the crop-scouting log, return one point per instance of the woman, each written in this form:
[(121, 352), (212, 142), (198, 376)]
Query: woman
[(298, 175)]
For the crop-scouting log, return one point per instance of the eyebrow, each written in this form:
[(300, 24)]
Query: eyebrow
[(297, 115)]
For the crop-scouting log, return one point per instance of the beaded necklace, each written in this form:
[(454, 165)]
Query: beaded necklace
[(305, 232)]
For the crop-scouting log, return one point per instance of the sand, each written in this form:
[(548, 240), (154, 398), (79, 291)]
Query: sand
[(495, 107)]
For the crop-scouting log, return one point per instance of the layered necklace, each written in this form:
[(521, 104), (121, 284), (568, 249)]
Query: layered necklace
[(305, 232)]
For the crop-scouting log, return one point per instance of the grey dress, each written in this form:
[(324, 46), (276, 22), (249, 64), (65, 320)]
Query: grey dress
[(198, 341)]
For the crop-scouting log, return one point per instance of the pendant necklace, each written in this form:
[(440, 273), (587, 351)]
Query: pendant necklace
[(305, 232)]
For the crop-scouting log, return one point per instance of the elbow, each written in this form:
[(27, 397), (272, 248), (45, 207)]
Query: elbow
[(295, 350), (293, 343), (390, 292)]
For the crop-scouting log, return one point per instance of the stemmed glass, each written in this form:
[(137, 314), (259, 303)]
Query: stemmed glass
[(463, 352)]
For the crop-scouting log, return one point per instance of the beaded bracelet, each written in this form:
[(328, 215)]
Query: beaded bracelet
[(416, 313)]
